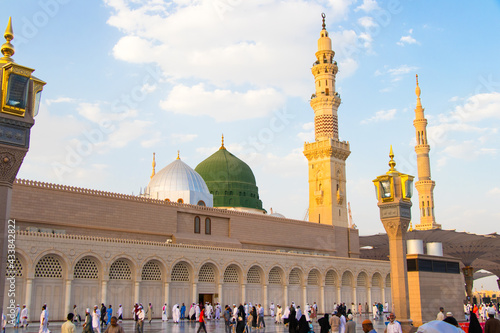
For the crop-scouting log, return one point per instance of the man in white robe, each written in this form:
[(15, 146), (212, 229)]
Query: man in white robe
[(43, 321), (24, 317), (119, 313), (96, 316), (197, 311), (176, 313), (342, 325), (271, 310)]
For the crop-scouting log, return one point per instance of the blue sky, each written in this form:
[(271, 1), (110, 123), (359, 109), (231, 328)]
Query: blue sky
[(128, 78)]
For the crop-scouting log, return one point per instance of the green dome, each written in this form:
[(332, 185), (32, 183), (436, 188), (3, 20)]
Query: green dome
[(229, 180)]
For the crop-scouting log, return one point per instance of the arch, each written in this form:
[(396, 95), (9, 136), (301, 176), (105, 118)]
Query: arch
[(121, 269), (208, 272), (197, 224), (331, 278), (255, 275), (61, 257), (275, 275), (314, 277), (49, 266), (347, 279), (296, 276), (152, 271), (232, 274), (201, 203), (377, 280), (181, 272), (87, 268), (208, 226), (362, 279)]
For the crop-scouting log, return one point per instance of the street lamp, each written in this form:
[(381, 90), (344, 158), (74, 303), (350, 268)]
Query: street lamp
[(394, 191), (19, 102)]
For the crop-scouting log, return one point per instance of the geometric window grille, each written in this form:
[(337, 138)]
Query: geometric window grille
[(48, 267), (313, 278), (388, 281), (346, 279), (86, 268), (206, 274), (253, 275), (330, 278), (120, 270), (180, 273), (151, 271), (231, 275), (376, 279), (294, 277), (275, 276), (361, 280), (18, 268)]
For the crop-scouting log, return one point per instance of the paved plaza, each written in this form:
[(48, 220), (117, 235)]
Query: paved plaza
[(185, 326)]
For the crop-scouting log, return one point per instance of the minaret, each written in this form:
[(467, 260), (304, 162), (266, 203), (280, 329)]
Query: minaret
[(326, 155), (154, 165), (424, 185)]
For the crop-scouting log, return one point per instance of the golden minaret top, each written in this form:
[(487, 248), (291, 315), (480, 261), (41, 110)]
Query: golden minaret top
[(323, 15), (154, 165), (222, 146), (392, 163), (178, 155), (7, 48)]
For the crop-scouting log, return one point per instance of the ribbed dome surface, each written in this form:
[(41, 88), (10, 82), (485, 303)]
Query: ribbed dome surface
[(177, 176)]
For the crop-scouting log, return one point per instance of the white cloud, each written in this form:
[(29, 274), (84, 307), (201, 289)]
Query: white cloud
[(382, 115), (494, 191), (308, 135), (401, 70), (60, 100), (408, 39), (479, 107), (368, 6), (367, 22), (182, 138), (222, 104)]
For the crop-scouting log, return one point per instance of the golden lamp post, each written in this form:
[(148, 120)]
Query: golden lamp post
[(394, 191), (20, 99)]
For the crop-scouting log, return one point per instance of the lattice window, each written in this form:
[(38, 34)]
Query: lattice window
[(48, 267), (151, 271), (388, 281), (253, 275), (376, 280), (206, 274), (313, 278), (330, 279), (294, 277), (86, 268), (275, 276), (346, 279), (231, 275), (120, 270), (18, 268), (180, 273), (361, 280)]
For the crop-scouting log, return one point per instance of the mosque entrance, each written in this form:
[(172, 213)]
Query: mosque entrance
[(203, 298)]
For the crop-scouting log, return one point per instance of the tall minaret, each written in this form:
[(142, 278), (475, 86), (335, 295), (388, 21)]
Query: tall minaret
[(424, 185), (326, 155)]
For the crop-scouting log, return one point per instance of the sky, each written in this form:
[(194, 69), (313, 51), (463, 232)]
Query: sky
[(126, 78)]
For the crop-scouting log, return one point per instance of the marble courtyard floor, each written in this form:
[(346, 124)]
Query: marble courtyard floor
[(184, 326)]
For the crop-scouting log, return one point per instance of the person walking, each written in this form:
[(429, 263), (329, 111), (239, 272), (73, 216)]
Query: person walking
[(24, 316), (393, 326), (68, 326), (109, 314), (351, 324), (44, 322), (227, 319), (149, 312), (119, 313), (87, 325), (368, 326), (114, 327), (202, 320), (139, 326), (95, 320), (103, 315)]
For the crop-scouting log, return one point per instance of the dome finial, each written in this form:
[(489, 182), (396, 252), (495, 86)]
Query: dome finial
[(178, 154), (323, 15), (417, 92), (154, 165), (392, 163), (7, 48), (222, 146)]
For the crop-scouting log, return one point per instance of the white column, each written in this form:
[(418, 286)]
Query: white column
[(220, 294), (195, 292), (285, 295), (104, 291), (383, 295), (27, 301), (339, 294), (304, 296), (67, 300), (265, 298), (166, 291), (355, 296), (136, 291), (369, 297), (322, 300), (243, 292)]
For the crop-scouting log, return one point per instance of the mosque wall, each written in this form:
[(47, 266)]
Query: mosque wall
[(62, 270)]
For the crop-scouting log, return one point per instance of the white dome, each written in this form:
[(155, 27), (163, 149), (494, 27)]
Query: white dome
[(178, 181)]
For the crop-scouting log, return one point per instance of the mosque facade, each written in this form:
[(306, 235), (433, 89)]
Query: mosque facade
[(198, 235)]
